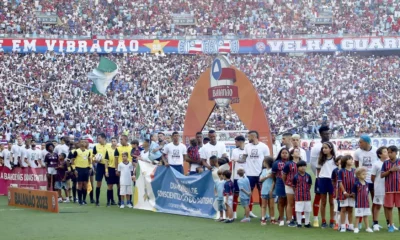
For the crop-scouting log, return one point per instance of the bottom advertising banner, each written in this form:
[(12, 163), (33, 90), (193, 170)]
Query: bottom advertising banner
[(163, 189), (33, 199), (32, 178)]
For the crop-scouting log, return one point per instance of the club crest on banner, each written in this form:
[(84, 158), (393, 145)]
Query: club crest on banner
[(222, 78)]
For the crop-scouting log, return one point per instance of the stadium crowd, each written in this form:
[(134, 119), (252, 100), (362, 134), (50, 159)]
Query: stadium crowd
[(272, 18), (48, 95)]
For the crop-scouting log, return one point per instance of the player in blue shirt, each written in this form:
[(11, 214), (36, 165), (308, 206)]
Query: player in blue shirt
[(244, 194)]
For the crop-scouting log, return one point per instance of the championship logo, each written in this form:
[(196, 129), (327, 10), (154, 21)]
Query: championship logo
[(222, 78)]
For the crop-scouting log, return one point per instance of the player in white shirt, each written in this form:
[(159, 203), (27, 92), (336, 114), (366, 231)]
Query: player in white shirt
[(213, 148), (379, 186), (366, 157), (325, 134), (174, 153), (16, 152), (296, 143), (62, 148), (238, 163), (25, 154), (254, 154), (34, 157), (7, 156)]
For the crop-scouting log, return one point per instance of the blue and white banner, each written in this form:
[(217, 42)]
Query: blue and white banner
[(163, 189)]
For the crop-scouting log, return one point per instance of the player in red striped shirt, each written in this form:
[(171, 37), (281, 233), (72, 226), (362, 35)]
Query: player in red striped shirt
[(346, 181), (302, 182), (288, 172), (360, 191), (280, 192), (390, 171)]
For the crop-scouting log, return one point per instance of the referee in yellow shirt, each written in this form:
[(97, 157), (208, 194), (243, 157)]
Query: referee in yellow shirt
[(100, 148), (111, 176), (82, 161)]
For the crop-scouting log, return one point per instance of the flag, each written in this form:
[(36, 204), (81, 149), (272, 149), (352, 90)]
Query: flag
[(224, 46), (103, 75), (195, 46)]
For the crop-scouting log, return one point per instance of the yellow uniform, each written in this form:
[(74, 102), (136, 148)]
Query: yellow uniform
[(82, 158), (121, 149)]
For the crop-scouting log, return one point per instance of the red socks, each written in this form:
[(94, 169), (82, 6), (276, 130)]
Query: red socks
[(317, 200), (235, 202)]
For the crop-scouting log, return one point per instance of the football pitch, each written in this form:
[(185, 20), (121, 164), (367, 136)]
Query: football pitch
[(102, 223)]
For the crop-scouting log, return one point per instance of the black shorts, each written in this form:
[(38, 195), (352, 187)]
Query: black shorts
[(112, 177), (254, 182), (83, 174), (100, 172), (91, 173)]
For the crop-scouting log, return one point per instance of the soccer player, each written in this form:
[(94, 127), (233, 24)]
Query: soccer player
[(287, 140), (7, 157), (346, 181), (277, 169), (288, 172), (360, 192), (301, 186), (245, 193), (296, 143), (325, 167), (174, 153), (255, 152), (63, 147), (366, 157), (228, 196), (126, 176), (111, 176), (25, 154), (17, 152), (325, 134), (34, 156), (82, 161), (199, 138), (213, 148), (390, 171), (237, 159), (125, 147), (100, 150)]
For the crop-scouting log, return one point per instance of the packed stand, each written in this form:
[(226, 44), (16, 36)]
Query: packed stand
[(249, 18), (48, 95)]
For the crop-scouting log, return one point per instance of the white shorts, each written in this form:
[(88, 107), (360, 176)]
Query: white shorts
[(379, 199), (289, 190), (335, 205), (349, 202), (230, 201), (362, 212), (51, 171), (125, 190), (303, 206)]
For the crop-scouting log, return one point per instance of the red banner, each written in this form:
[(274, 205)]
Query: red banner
[(32, 178)]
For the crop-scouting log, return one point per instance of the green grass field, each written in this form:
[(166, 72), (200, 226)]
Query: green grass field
[(98, 223)]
